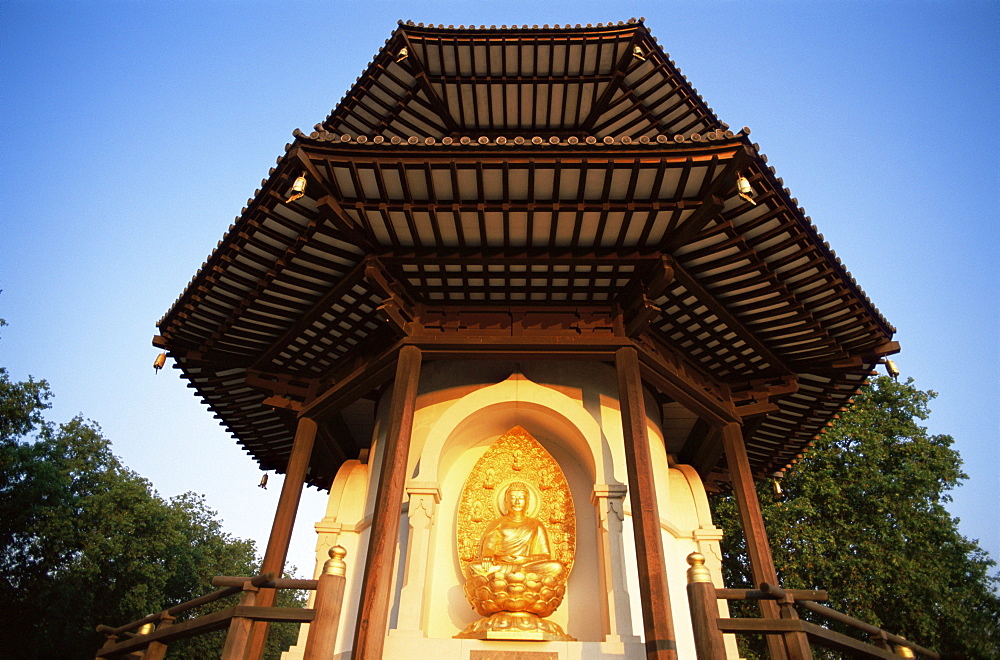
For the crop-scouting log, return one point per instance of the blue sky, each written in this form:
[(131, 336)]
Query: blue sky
[(132, 133)]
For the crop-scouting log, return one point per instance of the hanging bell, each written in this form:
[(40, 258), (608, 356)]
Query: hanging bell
[(891, 369), (263, 482), (158, 363), (744, 189), (298, 189)]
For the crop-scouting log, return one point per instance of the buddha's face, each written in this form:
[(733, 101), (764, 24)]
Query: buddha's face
[(517, 500)]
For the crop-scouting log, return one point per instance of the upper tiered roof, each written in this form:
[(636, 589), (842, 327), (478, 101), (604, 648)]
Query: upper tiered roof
[(519, 169), (436, 82)]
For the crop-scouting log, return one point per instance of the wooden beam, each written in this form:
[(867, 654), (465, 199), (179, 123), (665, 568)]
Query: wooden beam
[(207, 623), (703, 448), (817, 634), (338, 434), (398, 304), (376, 588), (681, 382), (521, 256), (281, 384), (757, 408), (709, 209), (761, 563), (732, 323), (621, 68), (638, 301), (330, 209), (479, 347), (328, 447), (723, 184), (349, 154), (365, 376), (420, 74), (299, 154), (657, 620), (283, 403), (281, 529), (322, 306)]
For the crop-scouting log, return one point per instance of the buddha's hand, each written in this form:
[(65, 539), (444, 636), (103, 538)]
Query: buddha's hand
[(488, 566)]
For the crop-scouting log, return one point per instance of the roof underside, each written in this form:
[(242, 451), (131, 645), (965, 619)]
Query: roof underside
[(436, 82), (523, 167)]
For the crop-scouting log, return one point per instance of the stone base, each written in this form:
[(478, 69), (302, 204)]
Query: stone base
[(511, 626)]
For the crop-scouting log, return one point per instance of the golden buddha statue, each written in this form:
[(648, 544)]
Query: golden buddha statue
[(513, 576), (515, 542)]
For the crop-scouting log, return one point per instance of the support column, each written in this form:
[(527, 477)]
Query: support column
[(281, 529), (617, 611), (424, 498), (657, 619), (758, 549), (376, 589)]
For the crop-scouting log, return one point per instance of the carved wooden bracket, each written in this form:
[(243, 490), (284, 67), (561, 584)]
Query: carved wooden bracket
[(398, 304)]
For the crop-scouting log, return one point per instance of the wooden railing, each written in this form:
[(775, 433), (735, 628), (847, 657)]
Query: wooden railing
[(151, 635), (799, 635)]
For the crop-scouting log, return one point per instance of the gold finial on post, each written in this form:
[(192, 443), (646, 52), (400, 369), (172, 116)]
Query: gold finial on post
[(704, 607), (146, 628), (698, 571), (322, 637), (904, 651), (336, 565)]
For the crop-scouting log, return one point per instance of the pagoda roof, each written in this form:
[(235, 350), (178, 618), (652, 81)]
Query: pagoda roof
[(416, 198), (435, 81)]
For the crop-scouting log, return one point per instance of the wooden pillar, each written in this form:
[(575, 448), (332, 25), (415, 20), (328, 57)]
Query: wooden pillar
[(657, 620), (758, 549), (281, 530), (376, 588)]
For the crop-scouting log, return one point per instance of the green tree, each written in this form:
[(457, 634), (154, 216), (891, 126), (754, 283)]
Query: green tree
[(862, 515), (84, 540)]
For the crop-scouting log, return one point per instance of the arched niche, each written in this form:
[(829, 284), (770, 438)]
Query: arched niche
[(452, 445), (481, 416)]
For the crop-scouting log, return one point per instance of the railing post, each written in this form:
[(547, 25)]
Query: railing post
[(797, 642), (704, 605), (329, 601), (238, 638), (880, 639), (110, 639), (156, 650)]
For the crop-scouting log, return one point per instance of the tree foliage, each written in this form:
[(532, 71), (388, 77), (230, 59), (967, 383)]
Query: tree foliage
[(85, 541), (862, 515)]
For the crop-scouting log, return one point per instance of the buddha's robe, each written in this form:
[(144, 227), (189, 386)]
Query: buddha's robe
[(515, 546)]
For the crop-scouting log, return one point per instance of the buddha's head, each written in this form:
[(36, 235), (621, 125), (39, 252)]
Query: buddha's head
[(516, 498)]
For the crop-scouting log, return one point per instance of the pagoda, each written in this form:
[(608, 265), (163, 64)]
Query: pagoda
[(510, 244)]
